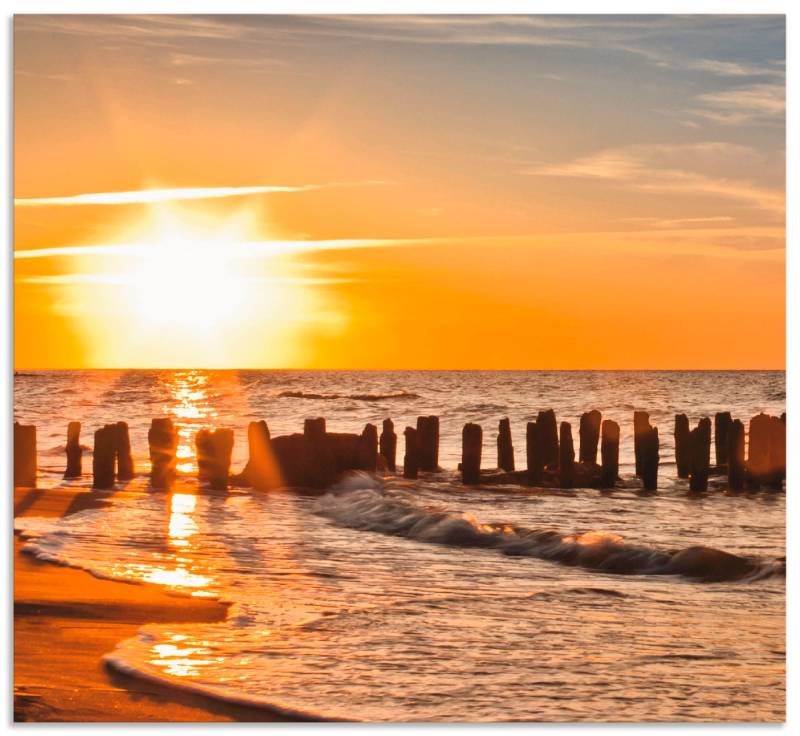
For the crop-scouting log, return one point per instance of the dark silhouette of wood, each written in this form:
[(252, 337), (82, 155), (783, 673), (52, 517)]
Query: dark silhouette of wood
[(368, 449), (505, 448), (700, 459), (320, 468), (262, 471), (74, 451), (221, 449), (548, 436), (25, 463), (428, 433), (163, 442), (735, 454), (411, 459), (388, 445), (682, 445), (471, 448), (534, 456), (609, 453), (125, 469), (777, 453), (291, 458), (641, 425), (566, 457), (758, 450), (589, 433), (104, 457), (648, 443), (722, 424)]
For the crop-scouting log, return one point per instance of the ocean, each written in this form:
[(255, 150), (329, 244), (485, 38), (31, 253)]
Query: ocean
[(393, 600)]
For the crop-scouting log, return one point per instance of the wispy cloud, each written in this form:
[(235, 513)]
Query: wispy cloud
[(148, 196), (753, 103)]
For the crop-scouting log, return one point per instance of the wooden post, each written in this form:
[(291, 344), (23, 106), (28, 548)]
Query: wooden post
[(204, 450), (388, 445), (74, 451), (641, 425), (471, 448), (25, 464), (124, 455), (758, 450), (682, 445), (777, 453), (548, 435), (221, 451), (368, 449), (411, 459), (566, 457), (700, 456), (736, 467), (104, 457), (262, 471), (589, 433), (609, 453), (649, 457), (319, 465), (535, 459), (428, 433), (163, 441), (505, 448), (722, 424)]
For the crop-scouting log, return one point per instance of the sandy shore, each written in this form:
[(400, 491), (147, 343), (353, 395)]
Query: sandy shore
[(65, 620)]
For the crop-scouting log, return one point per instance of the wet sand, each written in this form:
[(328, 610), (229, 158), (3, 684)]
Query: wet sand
[(65, 620)]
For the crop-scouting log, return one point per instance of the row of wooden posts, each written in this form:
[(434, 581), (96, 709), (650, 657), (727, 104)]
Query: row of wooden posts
[(316, 458)]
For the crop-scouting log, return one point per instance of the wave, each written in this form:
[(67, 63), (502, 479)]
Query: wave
[(354, 397), (365, 503)]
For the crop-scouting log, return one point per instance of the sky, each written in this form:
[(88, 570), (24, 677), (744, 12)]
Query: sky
[(379, 192)]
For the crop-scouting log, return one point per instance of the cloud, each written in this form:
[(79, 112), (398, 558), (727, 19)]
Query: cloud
[(754, 103), (148, 196)]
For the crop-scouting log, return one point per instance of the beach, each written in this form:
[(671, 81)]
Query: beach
[(65, 620)]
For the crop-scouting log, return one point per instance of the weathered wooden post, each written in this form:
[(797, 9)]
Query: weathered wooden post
[(736, 466), (368, 449), (566, 457), (722, 424), (104, 457), (589, 433), (221, 449), (74, 451), (388, 445), (319, 467), (649, 457), (758, 450), (548, 436), (428, 433), (505, 448), (777, 453), (411, 458), (700, 443), (163, 441), (124, 455), (533, 451), (25, 464), (682, 445), (262, 471), (609, 453), (641, 425), (471, 448), (204, 450)]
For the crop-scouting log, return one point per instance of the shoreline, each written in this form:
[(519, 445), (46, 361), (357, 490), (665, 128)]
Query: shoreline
[(65, 620)]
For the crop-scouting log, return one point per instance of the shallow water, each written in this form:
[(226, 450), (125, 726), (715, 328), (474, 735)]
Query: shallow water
[(426, 601)]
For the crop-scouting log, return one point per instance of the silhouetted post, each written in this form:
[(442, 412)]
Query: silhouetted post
[(388, 445), (104, 456), (641, 425), (722, 424), (589, 433), (471, 448), (74, 451), (435, 442), (566, 457), (163, 441), (124, 455), (758, 449), (682, 445), (648, 443), (411, 459), (319, 463), (24, 455), (262, 471), (736, 474), (548, 435), (428, 433), (505, 449), (609, 453), (204, 450), (700, 443), (533, 451), (221, 451), (368, 449), (777, 453)]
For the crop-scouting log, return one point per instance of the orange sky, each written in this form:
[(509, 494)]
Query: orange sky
[(399, 192)]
